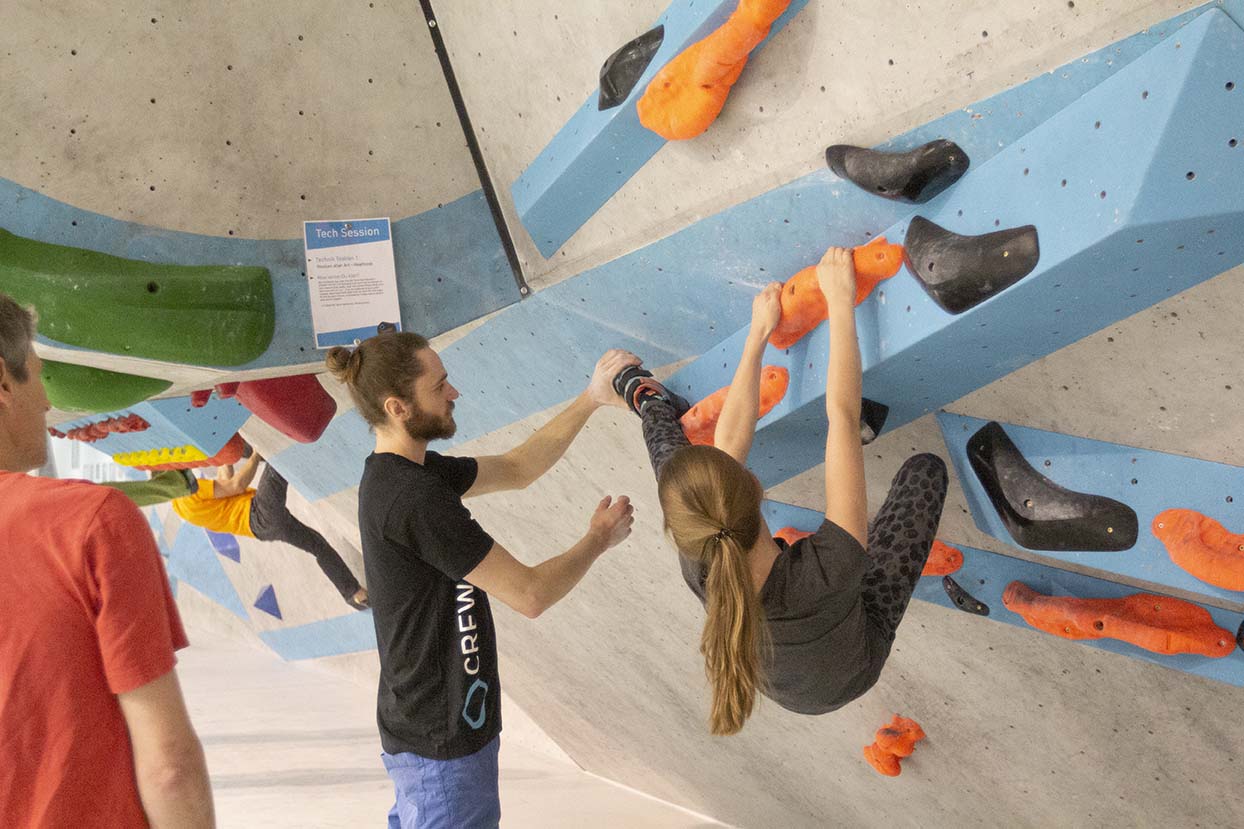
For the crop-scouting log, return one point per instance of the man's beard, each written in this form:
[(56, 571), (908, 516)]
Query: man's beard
[(423, 426)]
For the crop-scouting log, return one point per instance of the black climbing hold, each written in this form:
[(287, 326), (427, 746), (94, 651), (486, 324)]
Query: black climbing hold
[(960, 272), (962, 599), (914, 176), (1239, 636), (872, 420), (622, 70), (1040, 514)]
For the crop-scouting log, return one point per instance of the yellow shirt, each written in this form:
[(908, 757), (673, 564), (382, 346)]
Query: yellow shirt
[(220, 515)]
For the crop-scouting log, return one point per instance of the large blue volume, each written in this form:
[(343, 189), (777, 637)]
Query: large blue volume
[(1135, 192)]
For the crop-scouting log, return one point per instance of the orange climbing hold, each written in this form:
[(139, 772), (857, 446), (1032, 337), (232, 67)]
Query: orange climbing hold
[(1159, 624), (943, 560), (700, 422), (686, 96), (892, 743), (883, 761), (1202, 546), (803, 304), (790, 535)]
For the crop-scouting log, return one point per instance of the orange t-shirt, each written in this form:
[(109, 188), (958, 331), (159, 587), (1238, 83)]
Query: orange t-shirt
[(220, 515), (86, 614)]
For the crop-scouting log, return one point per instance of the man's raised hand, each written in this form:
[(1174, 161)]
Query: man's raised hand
[(600, 389)]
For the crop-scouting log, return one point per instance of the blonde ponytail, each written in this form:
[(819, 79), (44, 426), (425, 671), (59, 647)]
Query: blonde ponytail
[(712, 512)]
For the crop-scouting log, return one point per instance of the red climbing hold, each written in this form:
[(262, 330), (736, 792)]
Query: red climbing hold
[(199, 399), (226, 390), (297, 405)]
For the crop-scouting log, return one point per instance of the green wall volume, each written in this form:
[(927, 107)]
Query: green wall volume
[(75, 388), (212, 315)]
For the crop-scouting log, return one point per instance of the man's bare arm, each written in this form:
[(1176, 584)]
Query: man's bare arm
[(532, 590), (168, 758), (523, 464), (235, 483)]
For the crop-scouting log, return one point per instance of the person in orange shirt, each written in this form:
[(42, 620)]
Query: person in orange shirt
[(92, 720), (228, 504)]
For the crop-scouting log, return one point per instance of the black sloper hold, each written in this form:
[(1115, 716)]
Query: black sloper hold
[(962, 599), (1239, 636), (1040, 514), (622, 70), (960, 272), (872, 420), (914, 176)]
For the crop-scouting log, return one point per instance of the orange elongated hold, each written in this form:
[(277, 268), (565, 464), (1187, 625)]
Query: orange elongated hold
[(803, 304), (700, 422), (1159, 624), (790, 535), (883, 761), (686, 96), (900, 736), (943, 560), (1202, 546)]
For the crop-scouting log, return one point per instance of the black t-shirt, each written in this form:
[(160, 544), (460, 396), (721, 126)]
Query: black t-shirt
[(439, 693), (825, 653)]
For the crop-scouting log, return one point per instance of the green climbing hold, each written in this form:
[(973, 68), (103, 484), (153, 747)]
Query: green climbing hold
[(208, 315), (74, 388)]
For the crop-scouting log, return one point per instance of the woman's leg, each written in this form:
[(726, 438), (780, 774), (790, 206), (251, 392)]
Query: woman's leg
[(271, 520), (663, 433), (900, 537)]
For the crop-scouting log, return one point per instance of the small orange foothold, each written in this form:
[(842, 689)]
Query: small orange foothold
[(790, 535), (943, 560), (893, 742), (883, 761), (700, 422), (1202, 547)]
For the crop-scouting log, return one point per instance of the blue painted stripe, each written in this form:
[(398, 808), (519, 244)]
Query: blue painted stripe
[(985, 575), (352, 633), (1162, 482), (194, 561), (596, 152), (675, 298), (450, 264)]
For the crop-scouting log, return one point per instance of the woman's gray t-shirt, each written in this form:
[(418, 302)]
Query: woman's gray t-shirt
[(824, 651)]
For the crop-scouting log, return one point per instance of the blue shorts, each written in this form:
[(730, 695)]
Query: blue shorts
[(445, 794)]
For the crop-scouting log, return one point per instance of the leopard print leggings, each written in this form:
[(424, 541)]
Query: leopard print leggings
[(900, 535)]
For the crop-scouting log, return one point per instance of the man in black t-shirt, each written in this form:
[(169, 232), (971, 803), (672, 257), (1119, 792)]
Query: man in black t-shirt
[(431, 569)]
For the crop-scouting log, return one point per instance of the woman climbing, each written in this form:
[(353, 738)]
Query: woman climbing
[(809, 624)]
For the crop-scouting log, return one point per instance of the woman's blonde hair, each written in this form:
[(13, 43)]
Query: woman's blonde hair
[(712, 513)]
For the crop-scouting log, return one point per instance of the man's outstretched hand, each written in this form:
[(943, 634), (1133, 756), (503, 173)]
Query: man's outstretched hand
[(600, 389), (612, 521)]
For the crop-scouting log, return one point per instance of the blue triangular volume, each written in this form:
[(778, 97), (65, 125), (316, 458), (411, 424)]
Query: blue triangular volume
[(225, 544), (193, 561), (267, 602)]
